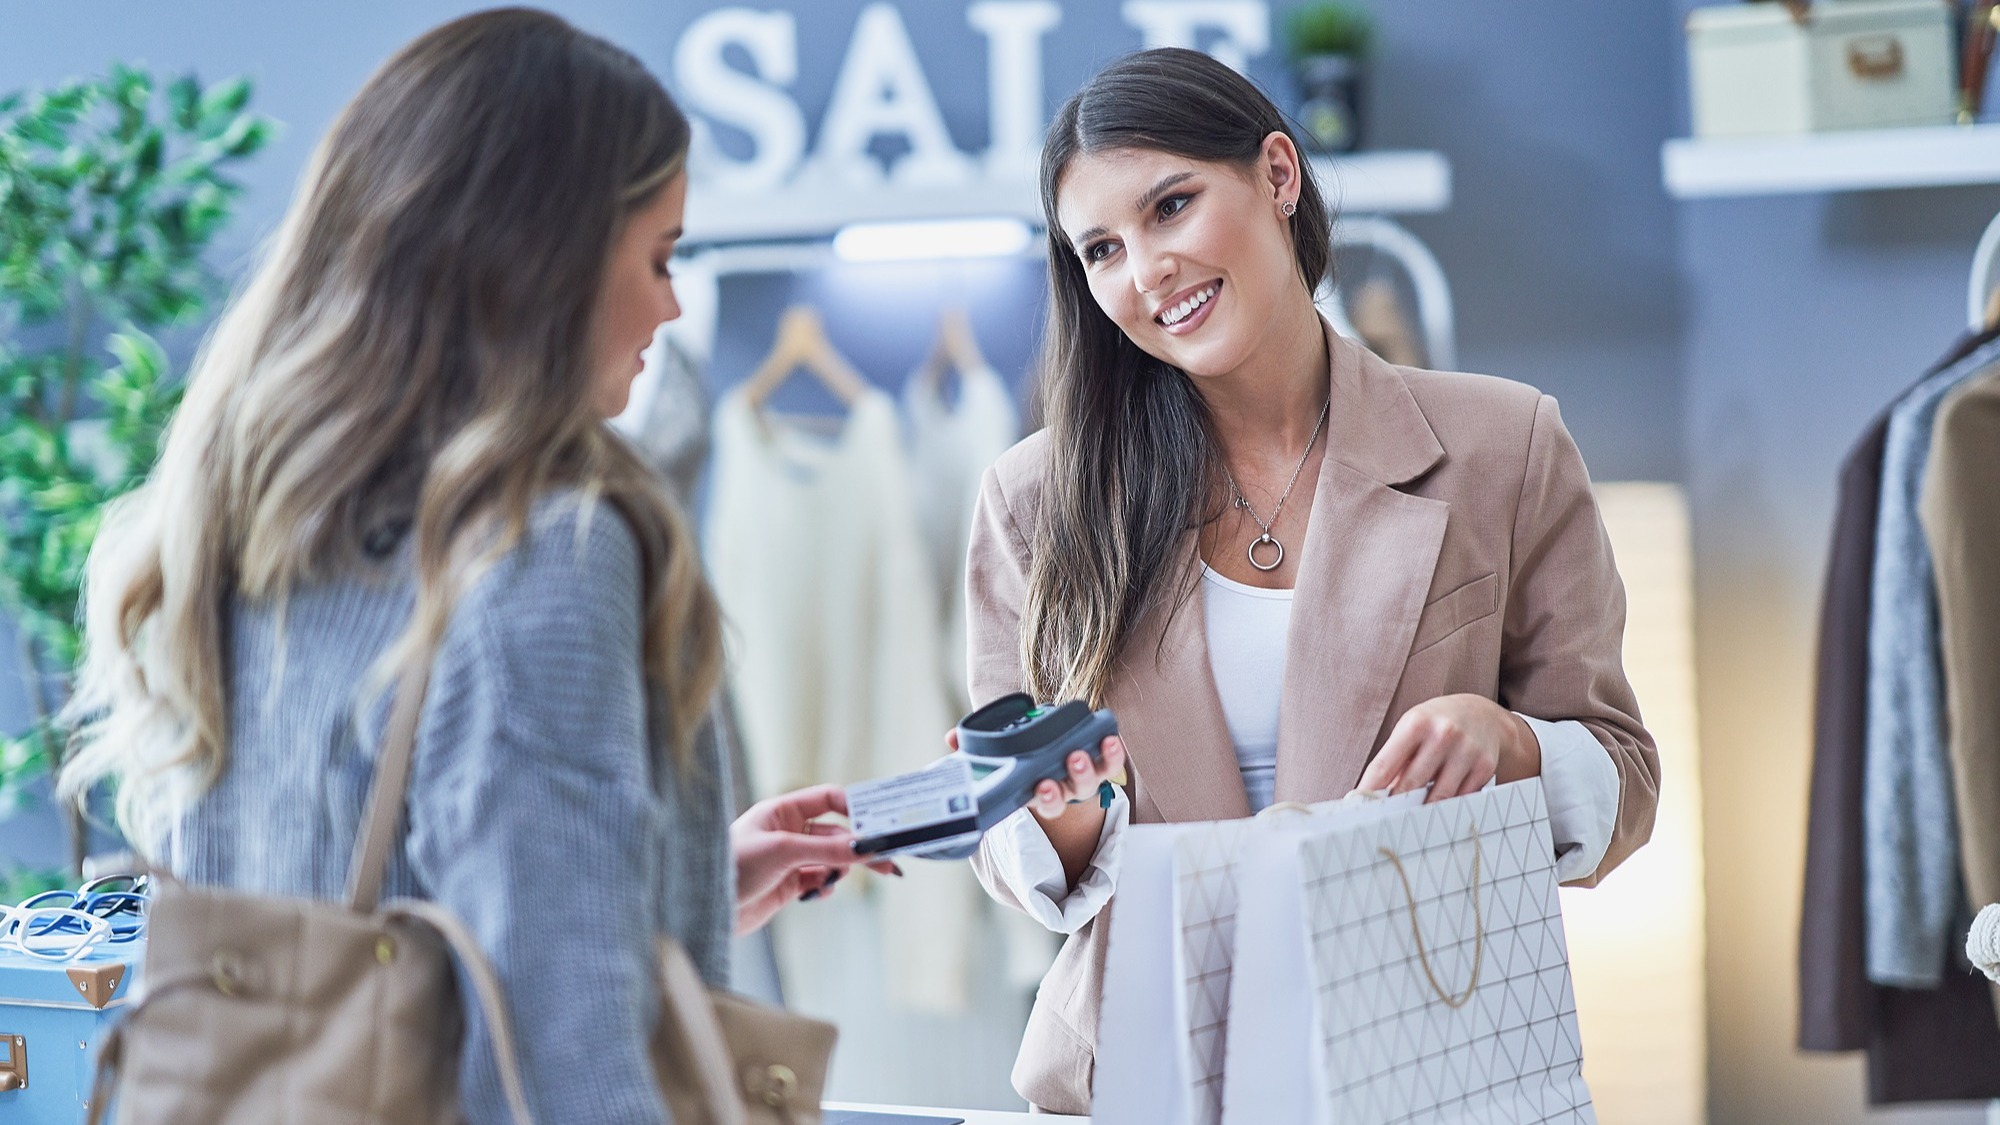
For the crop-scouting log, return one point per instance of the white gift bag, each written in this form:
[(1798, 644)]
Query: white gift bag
[(1164, 1021), (1141, 1074), (1406, 968)]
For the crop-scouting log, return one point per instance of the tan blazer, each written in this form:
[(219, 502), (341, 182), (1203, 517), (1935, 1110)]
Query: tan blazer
[(1961, 516), (1454, 546)]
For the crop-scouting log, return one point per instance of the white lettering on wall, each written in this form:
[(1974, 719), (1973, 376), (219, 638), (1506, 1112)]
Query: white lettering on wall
[(1014, 31), (882, 90), (1245, 26), (760, 108)]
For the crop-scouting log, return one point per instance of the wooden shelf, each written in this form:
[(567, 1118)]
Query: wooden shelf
[(1852, 160), (1393, 182)]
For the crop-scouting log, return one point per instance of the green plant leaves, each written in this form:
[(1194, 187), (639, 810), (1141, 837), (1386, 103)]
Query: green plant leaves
[(221, 105), (21, 884), (23, 759), (111, 190), (1328, 28)]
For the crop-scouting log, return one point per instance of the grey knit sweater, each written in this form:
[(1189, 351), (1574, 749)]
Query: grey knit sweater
[(534, 810)]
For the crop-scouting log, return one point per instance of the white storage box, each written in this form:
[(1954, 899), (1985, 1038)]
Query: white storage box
[(1754, 69)]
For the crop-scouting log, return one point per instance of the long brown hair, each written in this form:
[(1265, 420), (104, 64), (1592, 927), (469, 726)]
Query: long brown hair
[(415, 347), (1131, 458)]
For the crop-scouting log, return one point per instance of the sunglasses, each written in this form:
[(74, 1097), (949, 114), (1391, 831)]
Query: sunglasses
[(63, 925)]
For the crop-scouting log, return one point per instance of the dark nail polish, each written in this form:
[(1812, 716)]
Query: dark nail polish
[(832, 878), (809, 895), (896, 870)]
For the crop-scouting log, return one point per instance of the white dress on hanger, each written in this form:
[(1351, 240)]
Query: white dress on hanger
[(951, 446), (832, 634)]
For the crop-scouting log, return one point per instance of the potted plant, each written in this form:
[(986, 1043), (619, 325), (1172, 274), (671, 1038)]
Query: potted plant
[(111, 190), (1328, 44)]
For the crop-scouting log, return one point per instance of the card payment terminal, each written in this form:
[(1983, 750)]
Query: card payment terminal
[(1005, 749)]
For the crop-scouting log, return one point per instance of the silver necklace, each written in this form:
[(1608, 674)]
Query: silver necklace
[(1264, 524)]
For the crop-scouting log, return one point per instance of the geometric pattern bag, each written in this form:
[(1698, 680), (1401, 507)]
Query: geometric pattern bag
[(1443, 976), (1207, 858), (1410, 968), (1175, 945), (262, 1009)]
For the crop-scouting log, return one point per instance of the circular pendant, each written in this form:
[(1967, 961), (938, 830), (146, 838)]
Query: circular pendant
[(1259, 542)]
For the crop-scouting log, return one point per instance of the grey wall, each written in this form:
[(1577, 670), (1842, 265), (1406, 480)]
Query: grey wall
[(1560, 240), (1736, 346)]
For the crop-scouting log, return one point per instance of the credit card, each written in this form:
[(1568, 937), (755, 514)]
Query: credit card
[(911, 812)]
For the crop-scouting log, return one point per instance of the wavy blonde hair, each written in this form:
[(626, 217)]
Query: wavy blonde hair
[(414, 349)]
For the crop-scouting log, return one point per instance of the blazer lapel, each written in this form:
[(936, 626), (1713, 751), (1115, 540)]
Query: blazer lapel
[(1171, 717), (1366, 567)]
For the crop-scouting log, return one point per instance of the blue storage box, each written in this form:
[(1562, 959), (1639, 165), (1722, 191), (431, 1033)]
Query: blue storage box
[(52, 1016)]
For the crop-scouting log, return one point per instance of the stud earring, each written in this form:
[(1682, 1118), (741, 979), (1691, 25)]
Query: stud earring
[(1289, 208)]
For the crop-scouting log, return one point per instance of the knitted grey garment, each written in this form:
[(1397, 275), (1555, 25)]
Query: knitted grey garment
[(536, 811), (673, 437)]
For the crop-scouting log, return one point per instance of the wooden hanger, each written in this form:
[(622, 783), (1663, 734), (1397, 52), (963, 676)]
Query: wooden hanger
[(801, 345), (955, 349)]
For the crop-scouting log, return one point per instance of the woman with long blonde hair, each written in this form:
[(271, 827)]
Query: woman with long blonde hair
[(392, 452)]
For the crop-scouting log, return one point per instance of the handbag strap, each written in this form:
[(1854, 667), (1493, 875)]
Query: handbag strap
[(383, 813), (486, 987), (691, 1010), (380, 818)]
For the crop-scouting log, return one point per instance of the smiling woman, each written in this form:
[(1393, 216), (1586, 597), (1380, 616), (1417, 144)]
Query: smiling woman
[(1403, 580), (1185, 198)]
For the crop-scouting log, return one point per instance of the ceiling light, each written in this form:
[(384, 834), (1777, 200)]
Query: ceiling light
[(948, 238)]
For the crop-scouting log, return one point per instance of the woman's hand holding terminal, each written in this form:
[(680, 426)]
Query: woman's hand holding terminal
[(1069, 811)]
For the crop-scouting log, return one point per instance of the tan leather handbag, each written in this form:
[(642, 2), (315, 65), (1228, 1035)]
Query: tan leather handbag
[(259, 1010)]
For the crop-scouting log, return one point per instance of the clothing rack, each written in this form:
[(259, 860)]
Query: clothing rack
[(1384, 236), (1427, 278)]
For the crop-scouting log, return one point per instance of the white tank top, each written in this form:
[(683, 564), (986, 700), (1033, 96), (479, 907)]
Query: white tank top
[(1247, 628)]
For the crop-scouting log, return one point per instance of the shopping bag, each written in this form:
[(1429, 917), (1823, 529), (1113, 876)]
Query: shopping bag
[(1406, 968), (1141, 1071), (1209, 859), (1164, 1020)]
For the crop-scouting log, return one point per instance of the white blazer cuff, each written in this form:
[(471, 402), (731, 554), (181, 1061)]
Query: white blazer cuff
[(1027, 863), (1580, 784)]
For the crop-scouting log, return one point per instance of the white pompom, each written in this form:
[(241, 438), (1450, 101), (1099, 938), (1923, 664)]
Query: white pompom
[(1982, 945)]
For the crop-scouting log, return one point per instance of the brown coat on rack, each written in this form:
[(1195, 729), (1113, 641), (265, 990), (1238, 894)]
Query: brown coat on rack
[(1961, 519)]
